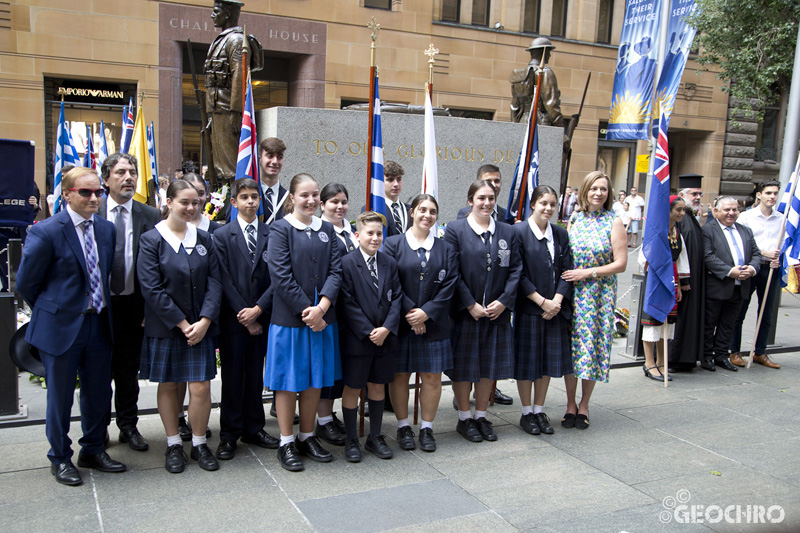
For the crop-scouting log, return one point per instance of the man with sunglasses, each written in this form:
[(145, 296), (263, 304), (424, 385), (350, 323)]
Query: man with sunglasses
[(131, 220), (64, 277)]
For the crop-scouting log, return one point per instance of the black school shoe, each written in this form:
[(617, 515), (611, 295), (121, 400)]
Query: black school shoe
[(176, 459), (352, 451), (543, 421), (312, 449), (426, 441), (289, 458), (529, 425), (468, 430), (485, 427), (378, 446), (205, 459), (405, 438)]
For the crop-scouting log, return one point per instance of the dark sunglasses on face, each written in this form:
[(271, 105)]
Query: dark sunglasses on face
[(87, 193)]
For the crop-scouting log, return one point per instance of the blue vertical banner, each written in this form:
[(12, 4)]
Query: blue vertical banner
[(519, 197), (632, 99), (378, 200), (680, 36)]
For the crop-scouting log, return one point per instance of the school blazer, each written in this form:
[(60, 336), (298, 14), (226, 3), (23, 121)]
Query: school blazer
[(245, 283), (539, 273), (474, 269), (364, 308), (54, 280), (176, 286), (430, 289), (465, 211), (719, 261), (299, 268), (280, 212)]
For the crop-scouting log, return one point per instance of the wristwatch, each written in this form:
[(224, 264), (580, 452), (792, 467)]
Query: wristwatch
[(594, 273)]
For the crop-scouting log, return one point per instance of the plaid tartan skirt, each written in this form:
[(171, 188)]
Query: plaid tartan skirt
[(481, 349), (419, 355), (171, 360), (542, 347)]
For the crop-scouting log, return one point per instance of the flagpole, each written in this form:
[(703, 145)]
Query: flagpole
[(781, 235), (373, 72), (531, 130)]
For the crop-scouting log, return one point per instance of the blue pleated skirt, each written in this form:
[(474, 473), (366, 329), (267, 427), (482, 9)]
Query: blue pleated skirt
[(300, 359)]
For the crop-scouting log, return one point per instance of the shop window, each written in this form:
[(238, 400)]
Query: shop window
[(605, 9), (530, 16), (480, 12), (451, 10), (378, 4), (558, 24)]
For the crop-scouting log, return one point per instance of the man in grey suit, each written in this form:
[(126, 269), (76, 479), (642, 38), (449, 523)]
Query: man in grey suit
[(731, 259), (131, 219)]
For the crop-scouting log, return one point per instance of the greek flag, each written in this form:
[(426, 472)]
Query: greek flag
[(377, 201), (247, 160), (790, 250), (103, 148), (151, 152), (65, 155), (127, 128), (522, 186)]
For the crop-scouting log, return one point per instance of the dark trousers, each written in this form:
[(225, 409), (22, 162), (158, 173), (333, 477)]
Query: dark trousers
[(720, 319), (89, 358), (125, 356), (759, 285), (242, 368)]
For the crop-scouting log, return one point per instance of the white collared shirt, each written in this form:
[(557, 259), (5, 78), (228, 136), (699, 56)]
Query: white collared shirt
[(77, 220), (189, 239), (766, 230), (345, 233), (548, 234), (111, 216), (275, 192), (427, 243), (473, 223), (401, 208), (243, 225), (204, 223), (316, 222), (366, 257)]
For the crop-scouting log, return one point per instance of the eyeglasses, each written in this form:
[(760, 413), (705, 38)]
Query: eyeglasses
[(87, 193)]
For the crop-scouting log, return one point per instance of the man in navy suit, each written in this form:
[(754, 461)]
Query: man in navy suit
[(731, 259), (490, 173), (270, 161), (131, 219), (241, 247), (64, 277)]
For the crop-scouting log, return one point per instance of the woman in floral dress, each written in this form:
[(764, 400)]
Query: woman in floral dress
[(599, 250)]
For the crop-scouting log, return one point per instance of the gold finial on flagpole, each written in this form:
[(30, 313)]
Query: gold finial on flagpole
[(375, 27), (431, 53)]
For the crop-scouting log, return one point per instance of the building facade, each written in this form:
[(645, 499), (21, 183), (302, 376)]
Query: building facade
[(100, 54)]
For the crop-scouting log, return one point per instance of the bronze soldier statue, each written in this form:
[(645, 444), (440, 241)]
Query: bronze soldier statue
[(523, 85), (224, 74)]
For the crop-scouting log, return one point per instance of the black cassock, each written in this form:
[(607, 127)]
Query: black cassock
[(687, 347)]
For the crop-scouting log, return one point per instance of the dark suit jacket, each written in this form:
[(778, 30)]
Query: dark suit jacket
[(470, 252), (390, 229), (430, 289), (244, 283), (539, 273), (54, 280), (465, 211), (366, 308), (280, 212), (177, 286), (719, 262)]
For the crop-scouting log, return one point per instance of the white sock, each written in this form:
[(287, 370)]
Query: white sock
[(526, 410), (425, 424), (403, 423), (479, 414), (197, 441), (286, 440), (538, 409), (303, 436), (325, 420), (464, 415), (173, 440)]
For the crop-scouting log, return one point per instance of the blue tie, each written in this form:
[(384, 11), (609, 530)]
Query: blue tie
[(739, 255)]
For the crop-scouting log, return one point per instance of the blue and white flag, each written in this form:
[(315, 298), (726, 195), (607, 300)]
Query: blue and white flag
[(151, 152), (632, 98), (679, 42), (520, 194), (247, 160), (377, 200), (89, 158), (127, 128), (659, 294), (65, 155), (790, 249), (102, 149)]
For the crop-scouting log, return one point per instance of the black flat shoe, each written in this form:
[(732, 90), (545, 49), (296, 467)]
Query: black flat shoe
[(66, 474), (543, 421), (340, 425), (426, 441), (289, 458), (226, 450), (581, 421), (485, 427), (262, 439), (501, 398), (469, 430), (205, 459), (176, 459), (708, 364), (352, 451), (726, 364), (184, 430), (102, 462), (405, 438), (529, 425), (330, 433), (274, 414), (312, 449), (568, 421), (378, 446), (134, 439)]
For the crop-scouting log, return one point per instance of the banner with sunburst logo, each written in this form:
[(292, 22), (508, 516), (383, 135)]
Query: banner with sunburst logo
[(632, 99)]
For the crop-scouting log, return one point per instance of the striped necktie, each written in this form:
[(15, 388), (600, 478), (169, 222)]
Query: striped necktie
[(251, 241), (92, 265), (373, 271), (268, 207)]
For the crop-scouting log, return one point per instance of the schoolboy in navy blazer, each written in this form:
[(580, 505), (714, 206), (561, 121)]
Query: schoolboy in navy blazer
[(73, 335), (541, 275), (436, 288), (242, 348)]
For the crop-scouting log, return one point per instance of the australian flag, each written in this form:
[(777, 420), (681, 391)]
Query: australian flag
[(659, 296), (65, 155), (247, 160), (377, 200), (127, 128), (522, 185), (89, 158)]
